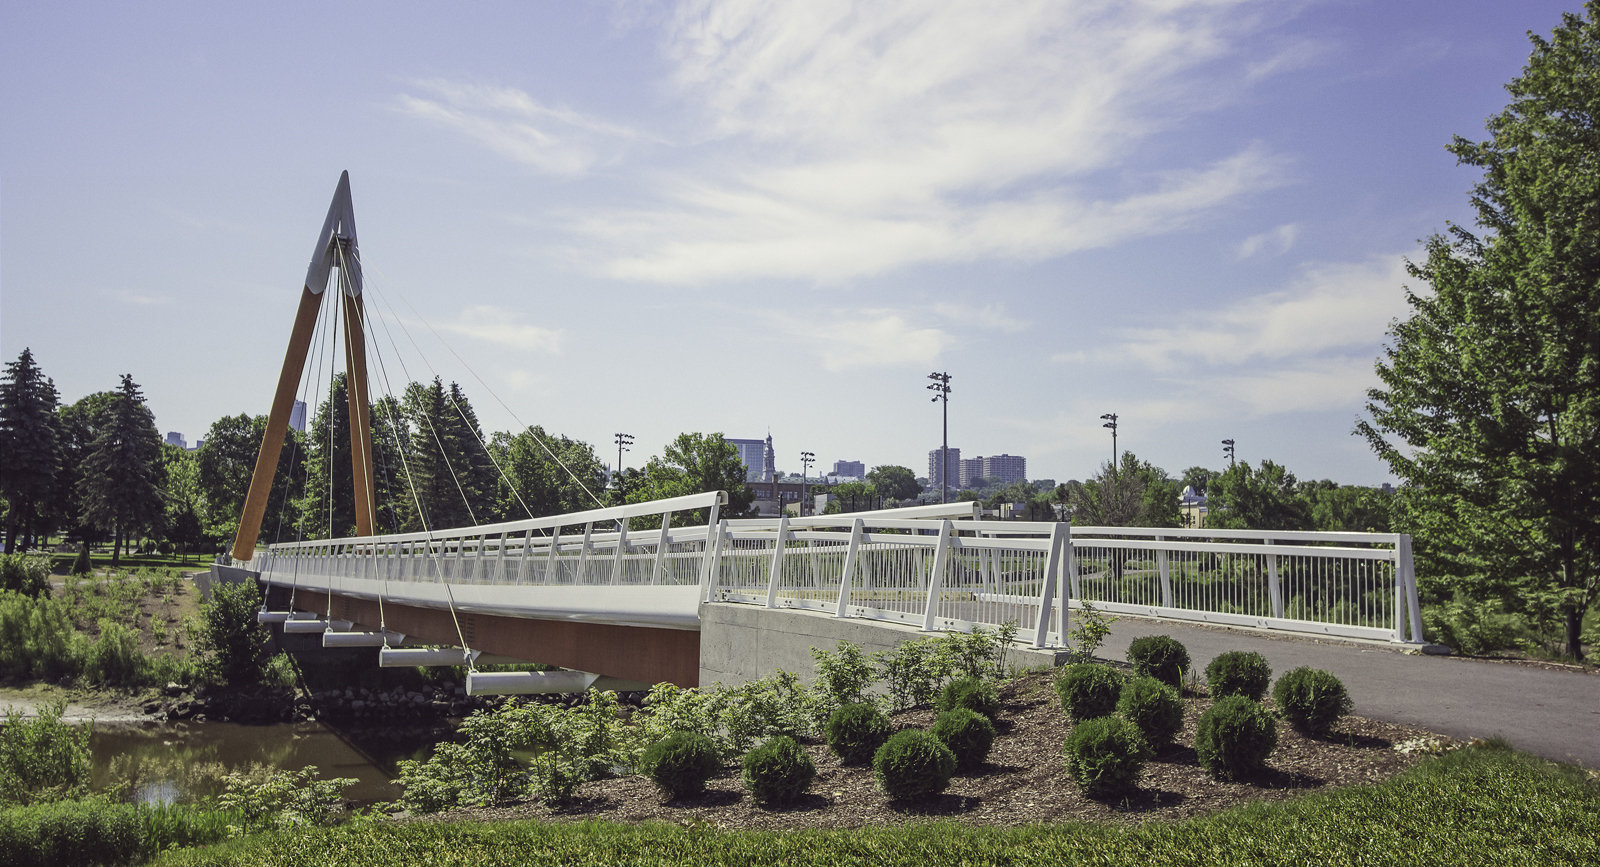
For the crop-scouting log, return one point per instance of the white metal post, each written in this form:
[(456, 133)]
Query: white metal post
[(583, 553), (1164, 567), (1047, 593), (1404, 565), (661, 548), (500, 561), (941, 563), (461, 553), (777, 561), (712, 562), (847, 576), (550, 564), (522, 562), (622, 547), (1274, 592)]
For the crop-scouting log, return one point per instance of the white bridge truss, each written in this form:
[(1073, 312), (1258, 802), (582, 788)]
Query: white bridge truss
[(935, 567)]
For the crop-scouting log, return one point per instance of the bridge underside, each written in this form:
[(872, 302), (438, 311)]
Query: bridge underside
[(638, 653)]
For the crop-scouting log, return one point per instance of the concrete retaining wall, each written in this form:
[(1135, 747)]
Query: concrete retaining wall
[(740, 643)]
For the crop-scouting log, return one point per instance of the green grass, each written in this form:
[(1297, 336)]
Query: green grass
[(61, 564), (1488, 806)]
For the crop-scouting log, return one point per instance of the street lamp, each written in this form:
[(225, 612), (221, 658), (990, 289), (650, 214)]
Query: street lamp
[(941, 391), (806, 460), (1112, 423), (1227, 449), (623, 441)]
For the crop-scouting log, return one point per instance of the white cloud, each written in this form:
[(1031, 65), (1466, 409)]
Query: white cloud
[(1331, 307), (140, 299), (867, 338), (989, 316), (1275, 242), (498, 325), (509, 122)]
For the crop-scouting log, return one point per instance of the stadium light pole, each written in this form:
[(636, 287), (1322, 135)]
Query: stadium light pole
[(806, 460), (623, 441), (1112, 423), (941, 391), (1227, 449)]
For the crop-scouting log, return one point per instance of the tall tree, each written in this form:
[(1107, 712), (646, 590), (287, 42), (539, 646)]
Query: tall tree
[(79, 424), (1133, 494), (30, 442), (1246, 498), (441, 488), (548, 475), (694, 463), (120, 487), (226, 461), (895, 483), (1490, 401)]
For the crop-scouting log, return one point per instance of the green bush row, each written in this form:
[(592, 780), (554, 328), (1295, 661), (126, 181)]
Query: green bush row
[(100, 832)]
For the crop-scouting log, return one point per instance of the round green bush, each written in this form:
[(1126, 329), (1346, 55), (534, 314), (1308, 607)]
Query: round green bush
[(912, 765), (1235, 737), (971, 693), (968, 734), (778, 771), (1154, 707), (1104, 755), (855, 731), (1312, 699), (1239, 672), (680, 763), (1161, 657), (1088, 690)]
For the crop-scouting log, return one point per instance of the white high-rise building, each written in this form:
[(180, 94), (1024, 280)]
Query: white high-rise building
[(754, 455), (297, 416), (936, 465), (176, 439), (850, 468), (1006, 468)]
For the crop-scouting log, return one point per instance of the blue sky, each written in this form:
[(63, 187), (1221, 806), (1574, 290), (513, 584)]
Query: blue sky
[(743, 216)]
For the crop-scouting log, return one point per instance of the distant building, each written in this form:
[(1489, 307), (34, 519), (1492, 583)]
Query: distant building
[(771, 498), (176, 439), (297, 416), (936, 465), (971, 470), (850, 468), (754, 455), (1006, 468), (769, 462)]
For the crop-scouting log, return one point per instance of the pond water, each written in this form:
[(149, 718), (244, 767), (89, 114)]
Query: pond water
[(186, 760)]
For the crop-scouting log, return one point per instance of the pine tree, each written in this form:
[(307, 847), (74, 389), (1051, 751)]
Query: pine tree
[(30, 442), (120, 484)]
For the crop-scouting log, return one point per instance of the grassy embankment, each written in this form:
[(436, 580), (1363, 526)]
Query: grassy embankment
[(1482, 806)]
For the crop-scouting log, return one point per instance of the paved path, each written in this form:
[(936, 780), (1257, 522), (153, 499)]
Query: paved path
[(1550, 713)]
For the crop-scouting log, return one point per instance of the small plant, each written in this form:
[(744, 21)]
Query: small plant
[(778, 771), (1239, 672), (911, 672), (842, 676), (28, 574), (968, 734), (115, 658), (1088, 690), (856, 731), (1154, 707), (81, 564), (680, 763), (42, 759), (913, 765), (1105, 755), (1159, 656), (1311, 699), (971, 693), (276, 799), (1235, 737), (1091, 632)]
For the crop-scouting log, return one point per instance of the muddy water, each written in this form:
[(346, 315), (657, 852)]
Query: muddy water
[(184, 760)]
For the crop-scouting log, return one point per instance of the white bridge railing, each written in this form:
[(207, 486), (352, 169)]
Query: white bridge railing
[(935, 567)]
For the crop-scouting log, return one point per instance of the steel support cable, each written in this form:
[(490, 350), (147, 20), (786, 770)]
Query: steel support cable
[(475, 375), (394, 430), (320, 333), (366, 439), (305, 391), (333, 352)]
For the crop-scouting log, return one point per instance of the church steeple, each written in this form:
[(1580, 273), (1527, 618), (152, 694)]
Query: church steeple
[(769, 467)]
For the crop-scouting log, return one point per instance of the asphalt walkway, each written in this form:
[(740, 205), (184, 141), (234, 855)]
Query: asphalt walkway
[(1547, 712)]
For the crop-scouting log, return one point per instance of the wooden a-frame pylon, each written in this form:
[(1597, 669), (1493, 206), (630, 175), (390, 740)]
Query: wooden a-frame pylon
[(336, 248)]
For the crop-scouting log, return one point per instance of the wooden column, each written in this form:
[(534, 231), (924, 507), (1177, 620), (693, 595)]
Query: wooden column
[(294, 361), (355, 365)]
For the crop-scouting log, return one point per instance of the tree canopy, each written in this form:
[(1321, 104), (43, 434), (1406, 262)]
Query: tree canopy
[(30, 443), (894, 482), (1489, 406), (120, 487), (694, 463)]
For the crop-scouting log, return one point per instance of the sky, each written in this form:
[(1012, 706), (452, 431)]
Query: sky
[(754, 217)]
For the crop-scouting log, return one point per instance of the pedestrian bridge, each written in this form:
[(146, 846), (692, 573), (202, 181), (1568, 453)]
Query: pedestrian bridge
[(618, 592)]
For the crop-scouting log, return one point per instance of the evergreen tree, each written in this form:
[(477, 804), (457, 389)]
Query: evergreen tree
[(79, 424), (330, 504), (121, 474), (441, 488), (1490, 401), (30, 442), (539, 484)]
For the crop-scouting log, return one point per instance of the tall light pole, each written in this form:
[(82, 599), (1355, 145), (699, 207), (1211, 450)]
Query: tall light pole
[(806, 460), (1112, 423), (1227, 449), (941, 391), (623, 441)]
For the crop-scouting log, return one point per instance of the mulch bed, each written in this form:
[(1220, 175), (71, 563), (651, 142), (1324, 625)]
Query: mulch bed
[(1023, 783)]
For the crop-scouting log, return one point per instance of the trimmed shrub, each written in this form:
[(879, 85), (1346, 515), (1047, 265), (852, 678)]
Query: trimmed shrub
[(971, 693), (1161, 657), (778, 771), (1105, 755), (1088, 690), (70, 834), (1154, 707), (856, 731), (1239, 672), (912, 765), (81, 565), (1235, 737), (1311, 699), (680, 763), (968, 734)]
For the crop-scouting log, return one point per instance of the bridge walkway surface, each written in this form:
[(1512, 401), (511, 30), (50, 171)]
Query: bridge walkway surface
[(1549, 712)]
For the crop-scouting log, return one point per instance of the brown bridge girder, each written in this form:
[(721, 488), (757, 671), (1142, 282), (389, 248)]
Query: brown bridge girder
[(636, 653)]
